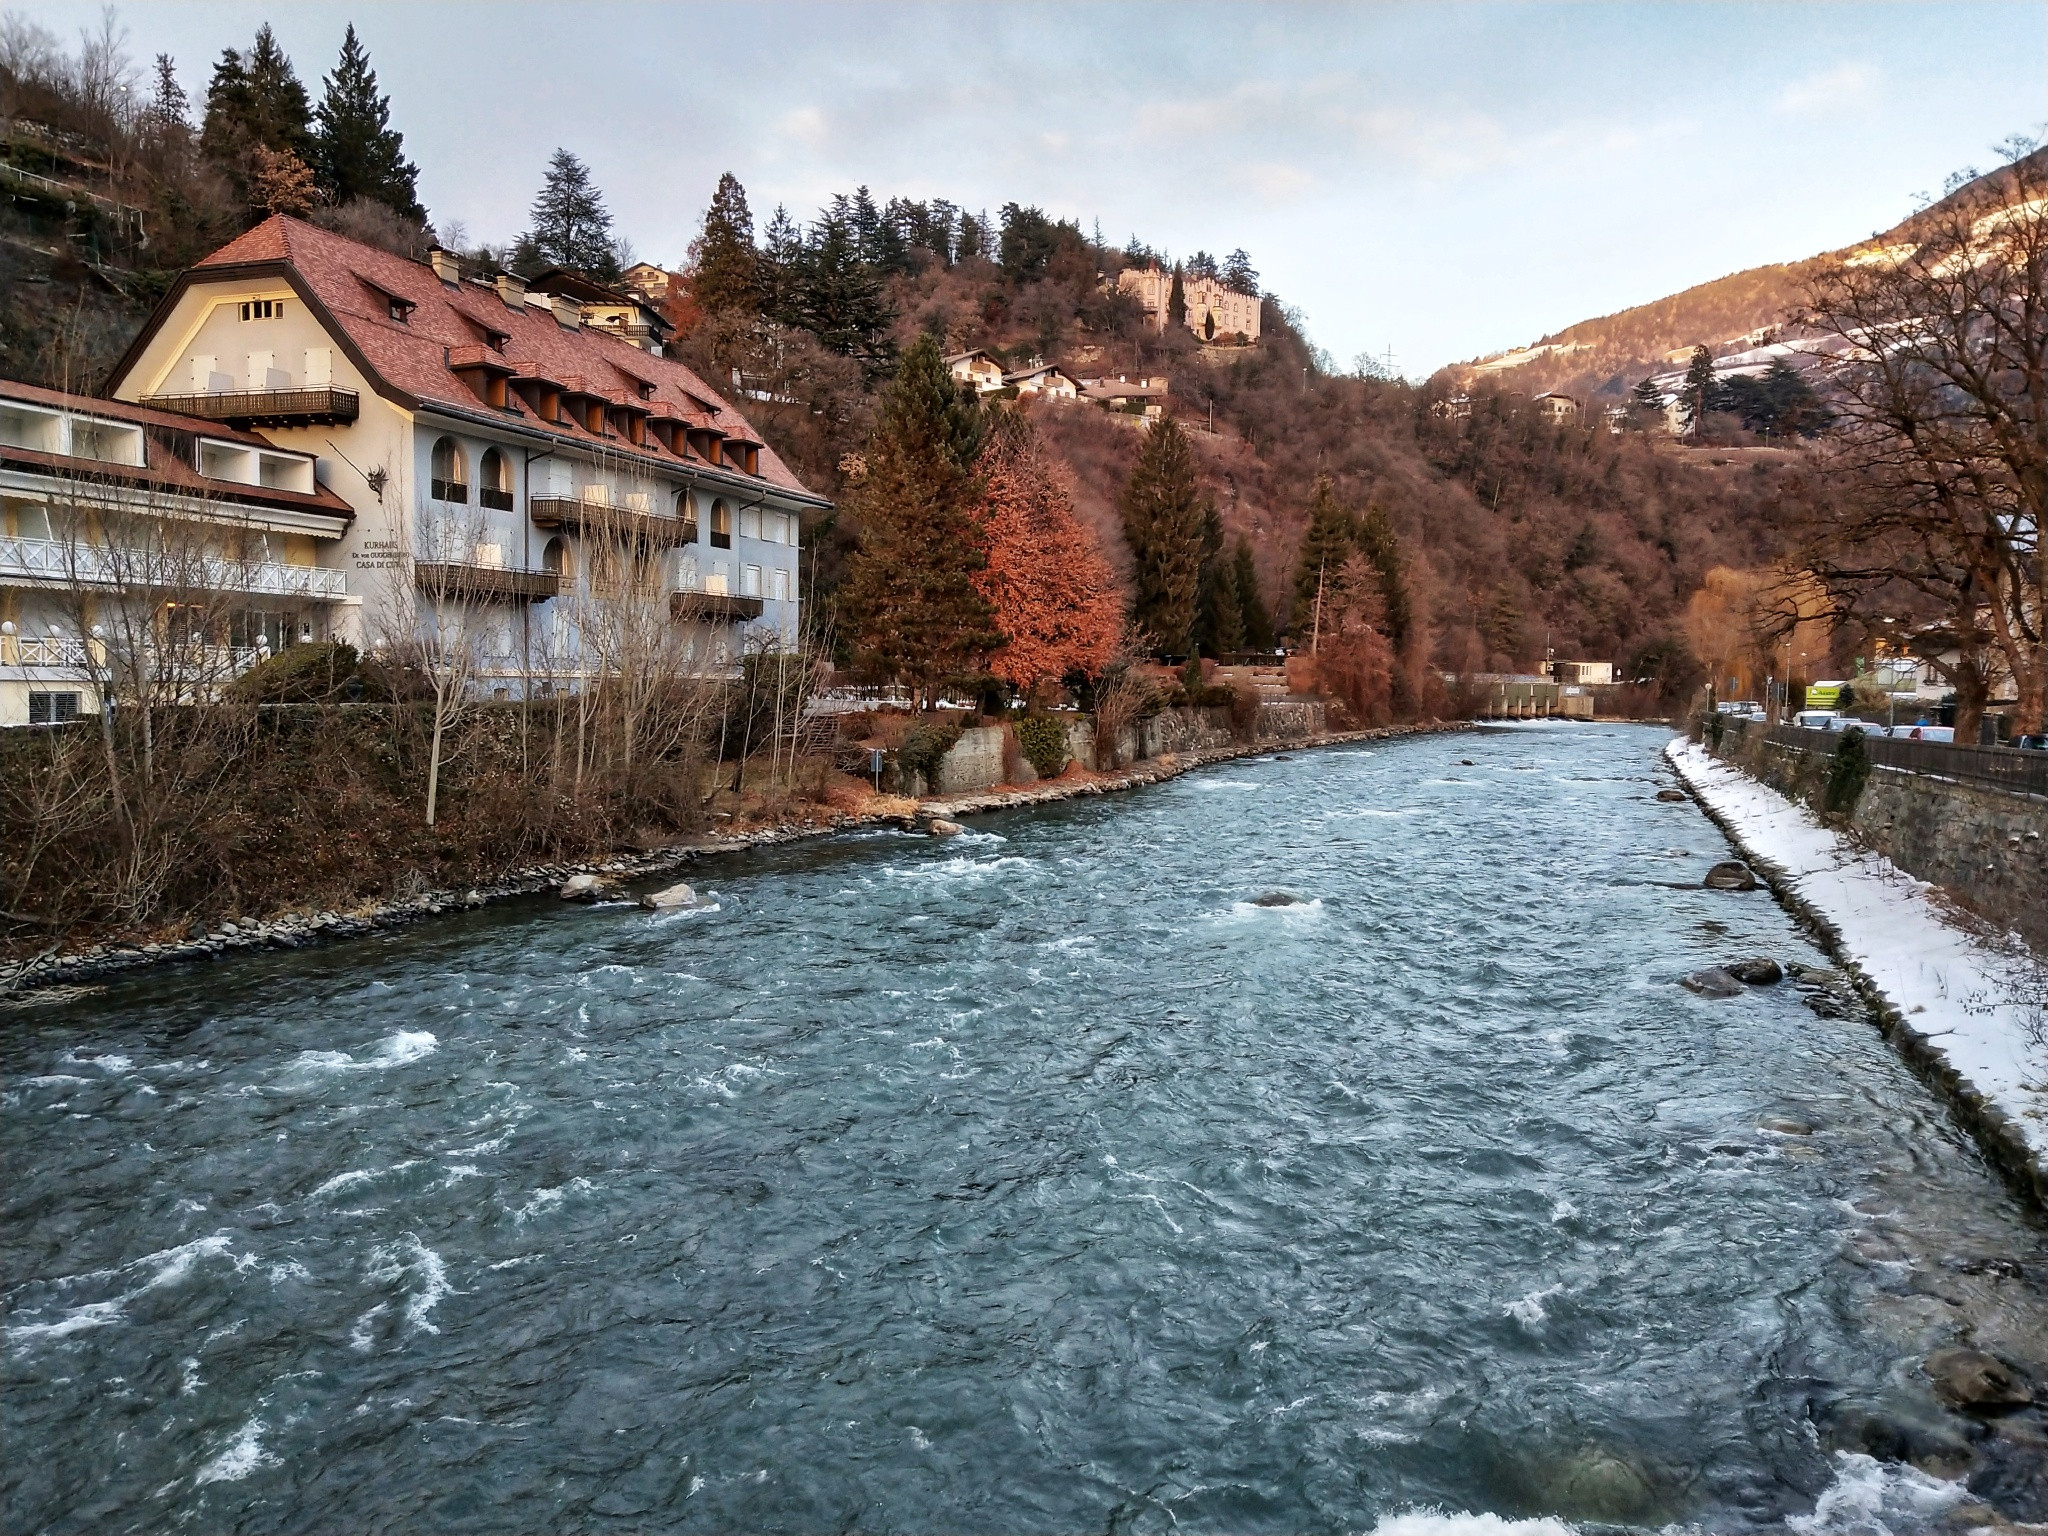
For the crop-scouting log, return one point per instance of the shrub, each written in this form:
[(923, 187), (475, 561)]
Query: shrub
[(1044, 740), (1848, 772), (302, 674), (928, 741)]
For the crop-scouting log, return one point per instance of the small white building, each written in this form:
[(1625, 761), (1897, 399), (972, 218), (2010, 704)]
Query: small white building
[(1048, 380), (976, 369)]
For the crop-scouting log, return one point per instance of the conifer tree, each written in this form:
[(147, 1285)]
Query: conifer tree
[(727, 278), (1239, 276), (168, 102), (1699, 386), (910, 600), (1646, 403), (780, 269), (1251, 602), (1219, 625), (571, 227), (1053, 594), (1328, 543), (1177, 300), (356, 151), (255, 101), (840, 298), (1381, 546), (1165, 526)]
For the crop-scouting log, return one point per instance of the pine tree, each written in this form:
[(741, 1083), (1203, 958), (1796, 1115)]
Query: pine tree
[(356, 151), (1328, 543), (1239, 275), (1646, 403), (1251, 602), (1381, 546), (910, 598), (1165, 526), (840, 298), (1177, 300), (1699, 386), (1219, 626), (255, 101), (570, 225), (727, 277), (780, 269), (168, 103)]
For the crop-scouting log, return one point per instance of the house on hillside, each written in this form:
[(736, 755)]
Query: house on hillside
[(515, 455), (631, 317), (1215, 313), (652, 283), (1048, 380), (1560, 410), (1139, 397), (119, 522), (977, 369)]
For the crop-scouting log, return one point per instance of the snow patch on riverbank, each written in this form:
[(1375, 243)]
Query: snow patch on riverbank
[(1978, 1004)]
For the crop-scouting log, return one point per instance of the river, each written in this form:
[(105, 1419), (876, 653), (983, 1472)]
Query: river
[(1038, 1179)]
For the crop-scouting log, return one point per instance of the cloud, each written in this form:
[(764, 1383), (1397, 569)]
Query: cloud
[(1830, 90), (806, 125)]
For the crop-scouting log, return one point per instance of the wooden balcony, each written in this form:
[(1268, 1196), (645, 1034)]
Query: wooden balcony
[(440, 578), (265, 407), (606, 521), (712, 607)]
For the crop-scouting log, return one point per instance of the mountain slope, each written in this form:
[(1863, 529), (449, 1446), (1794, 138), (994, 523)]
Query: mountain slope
[(1602, 358)]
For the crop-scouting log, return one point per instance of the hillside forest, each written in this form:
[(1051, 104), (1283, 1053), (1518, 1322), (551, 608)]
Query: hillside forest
[(1481, 542)]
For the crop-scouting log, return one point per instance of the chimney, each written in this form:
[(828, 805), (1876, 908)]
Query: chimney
[(512, 290), (447, 266), (568, 313)]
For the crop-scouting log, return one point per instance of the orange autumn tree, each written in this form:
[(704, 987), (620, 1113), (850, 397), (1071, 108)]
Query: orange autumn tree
[(1054, 595)]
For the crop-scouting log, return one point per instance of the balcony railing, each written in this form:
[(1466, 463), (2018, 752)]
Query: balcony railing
[(265, 407), (186, 660), (41, 651), (578, 516), (448, 578), (688, 606), (54, 560)]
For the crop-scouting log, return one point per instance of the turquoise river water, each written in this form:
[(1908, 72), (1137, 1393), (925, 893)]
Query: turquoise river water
[(1037, 1180)]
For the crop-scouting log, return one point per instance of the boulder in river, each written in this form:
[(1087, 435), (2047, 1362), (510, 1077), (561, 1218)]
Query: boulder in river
[(1712, 983), (1671, 795), (1760, 971), (1597, 1483), (1784, 1125), (585, 888), (1730, 875), (1969, 1378), (669, 898), (1276, 899), (940, 827), (1466, 762)]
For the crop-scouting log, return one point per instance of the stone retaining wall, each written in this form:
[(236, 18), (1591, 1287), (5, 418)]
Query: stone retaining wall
[(1984, 846)]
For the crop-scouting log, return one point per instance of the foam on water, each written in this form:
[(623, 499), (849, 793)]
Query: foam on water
[(1434, 1522), (411, 1262), (1877, 1498), (171, 1266), (244, 1454), (396, 1050)]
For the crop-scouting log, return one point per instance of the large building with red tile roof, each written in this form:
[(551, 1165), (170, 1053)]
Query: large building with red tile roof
[(495, 444), (120, 523)]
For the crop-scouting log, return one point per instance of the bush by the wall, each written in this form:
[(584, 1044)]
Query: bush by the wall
[(1848, 772), (928, 741), (1044, 741)]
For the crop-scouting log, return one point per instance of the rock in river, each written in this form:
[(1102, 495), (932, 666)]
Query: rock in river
[(1712, 983), (1969, 1378), (585, 888), (1730, 875), (1761, 971), (943, 828), (1671, 795), (669, 899), (1276, 899)]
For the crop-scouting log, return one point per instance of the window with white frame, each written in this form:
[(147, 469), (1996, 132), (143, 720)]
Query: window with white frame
[(750, 523), (778, 587), (715, 579), (750, 581)]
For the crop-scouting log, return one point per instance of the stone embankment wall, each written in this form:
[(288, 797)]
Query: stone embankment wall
[(981, 759), (1984, 846)]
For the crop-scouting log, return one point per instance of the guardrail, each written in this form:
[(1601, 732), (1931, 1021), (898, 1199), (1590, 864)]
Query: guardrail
[(2008, 768)]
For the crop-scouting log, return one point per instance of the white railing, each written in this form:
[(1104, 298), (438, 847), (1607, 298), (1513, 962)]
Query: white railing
[(39, 651), (57, 561)]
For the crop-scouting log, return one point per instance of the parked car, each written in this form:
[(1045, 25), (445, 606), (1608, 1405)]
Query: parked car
[(1924, 732), (1822, 720), (2033, 743), (1745, 709)]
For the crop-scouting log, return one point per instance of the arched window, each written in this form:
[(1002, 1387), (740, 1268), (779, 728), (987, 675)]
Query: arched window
[(721, 525), (450, 471), (558, 557), (686, 514), (494, 481)]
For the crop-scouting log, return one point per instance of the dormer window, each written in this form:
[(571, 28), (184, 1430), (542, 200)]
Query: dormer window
[(401, 309)]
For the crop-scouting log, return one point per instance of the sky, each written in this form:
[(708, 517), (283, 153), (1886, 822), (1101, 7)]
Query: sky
[(1435, 181)]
